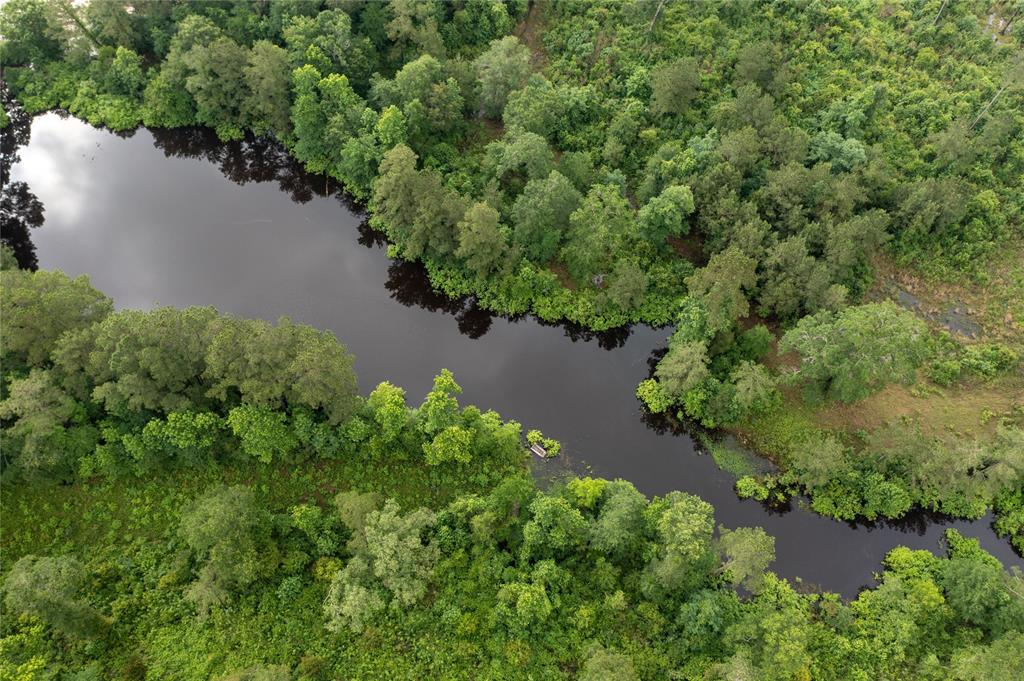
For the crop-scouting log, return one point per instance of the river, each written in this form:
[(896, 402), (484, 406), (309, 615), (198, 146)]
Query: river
[(175, 218)]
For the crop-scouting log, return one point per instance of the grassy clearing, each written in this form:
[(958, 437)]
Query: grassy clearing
[(970, 409)]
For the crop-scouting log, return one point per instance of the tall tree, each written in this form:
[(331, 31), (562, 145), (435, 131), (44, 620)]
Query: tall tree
[(51, 589), (540, 216), (665, 215), (39, 307), (747, 552), (482, 240), (229, 534), (675, 85), (501, 69), (217, 82), (284, 365), (720, 286), (268, 104), (683, 368), (33, 33), (858, 351), (597, 228)]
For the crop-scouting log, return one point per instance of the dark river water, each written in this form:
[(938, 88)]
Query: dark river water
[(173, 218)]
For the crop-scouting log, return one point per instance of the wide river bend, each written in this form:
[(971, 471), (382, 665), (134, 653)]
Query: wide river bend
[(175, 218)]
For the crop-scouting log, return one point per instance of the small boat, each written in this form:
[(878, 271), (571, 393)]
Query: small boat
[(539, 451)]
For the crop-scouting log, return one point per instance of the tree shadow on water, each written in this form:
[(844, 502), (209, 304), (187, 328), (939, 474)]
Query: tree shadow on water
[(20, 209), (252, 159)]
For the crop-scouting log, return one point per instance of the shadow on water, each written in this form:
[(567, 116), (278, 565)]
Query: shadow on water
[(259, 159), (251, 160), (20, 209)]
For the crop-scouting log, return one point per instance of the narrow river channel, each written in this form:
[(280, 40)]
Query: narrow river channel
[(175, 218)]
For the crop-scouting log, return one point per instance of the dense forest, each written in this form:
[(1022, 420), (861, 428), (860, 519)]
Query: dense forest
[(193, 495)]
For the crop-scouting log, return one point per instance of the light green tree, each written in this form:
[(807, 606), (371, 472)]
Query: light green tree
[(746, 553), (675, 84), (482, 241), (849, 355), (38, 307), (502, 68), (540, 215), (51, 589), (720, 286), (229, 534)]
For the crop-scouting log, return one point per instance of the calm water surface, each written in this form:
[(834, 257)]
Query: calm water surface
[(173, 218)]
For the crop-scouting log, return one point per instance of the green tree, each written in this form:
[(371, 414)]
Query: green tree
[(1003, 660), (502, 68), (434, 230), (819, 458), (683, 368), (136, 360), (540, 216), (309, 120), (451, 444), (323, 531), (401, 558), (353, 508), (746, 554), (229, 534), (755, 388), (353, 597), (51, 589), (795, 281), (684, 525), (555, 529), (628, 285), (39, 307), (481, 240), (849, 355), (477, 21), (324, 41), (675, 85), (414, 30), (720, 286), (519, 157), (267, 106), (33, 33), (166, 102), (851, 243), (596, 230), (264, 434), (537, 107), (217, 83), (440, 408), (418, 212), (619, 529), (111, 24), (125, 75), (186, 438), (605, 665), (387, 404), (392, 128), (49, 432), (756, 63), (522, 606), (665, 215), (284, 365), (983, 595)]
